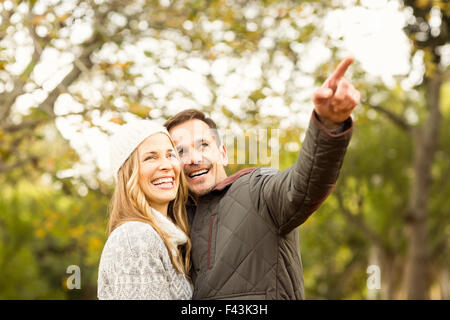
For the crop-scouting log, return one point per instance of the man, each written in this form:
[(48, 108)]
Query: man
[(244, 227)]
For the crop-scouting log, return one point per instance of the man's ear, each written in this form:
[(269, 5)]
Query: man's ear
[(223, 155)]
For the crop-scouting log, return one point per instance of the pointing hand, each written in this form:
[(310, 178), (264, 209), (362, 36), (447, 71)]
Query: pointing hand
[(336, 99)]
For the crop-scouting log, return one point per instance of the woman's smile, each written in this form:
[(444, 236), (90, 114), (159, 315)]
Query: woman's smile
[(164, 183)]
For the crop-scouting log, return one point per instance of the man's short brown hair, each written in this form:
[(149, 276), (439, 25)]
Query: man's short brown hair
[(189, 114)]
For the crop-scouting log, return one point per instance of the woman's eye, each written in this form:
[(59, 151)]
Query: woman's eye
[(149, 158), (172, 155)]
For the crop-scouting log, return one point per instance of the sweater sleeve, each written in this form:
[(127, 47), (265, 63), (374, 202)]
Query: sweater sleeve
[(131, 265)]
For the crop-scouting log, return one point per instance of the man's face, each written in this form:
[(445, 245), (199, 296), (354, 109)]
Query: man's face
[(202, 160)]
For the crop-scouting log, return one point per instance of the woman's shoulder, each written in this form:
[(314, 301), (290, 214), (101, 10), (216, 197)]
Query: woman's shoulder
[(131, 227), (136, 237), (132, 249)]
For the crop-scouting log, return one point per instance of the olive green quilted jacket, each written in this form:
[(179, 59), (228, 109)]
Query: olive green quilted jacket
[(244, 233)]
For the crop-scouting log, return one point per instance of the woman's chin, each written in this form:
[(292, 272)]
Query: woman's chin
[(165, 197)]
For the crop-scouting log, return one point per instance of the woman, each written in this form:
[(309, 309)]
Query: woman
[(147, 252)]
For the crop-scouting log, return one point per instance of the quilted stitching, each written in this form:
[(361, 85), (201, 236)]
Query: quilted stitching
[(236, 225), (251, 254)]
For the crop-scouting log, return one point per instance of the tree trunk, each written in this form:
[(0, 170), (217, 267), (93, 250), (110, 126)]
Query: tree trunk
[(425, 145), (391, 271), (445, 283)]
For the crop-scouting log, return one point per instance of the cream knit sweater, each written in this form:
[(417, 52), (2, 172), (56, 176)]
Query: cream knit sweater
[(135, 264)]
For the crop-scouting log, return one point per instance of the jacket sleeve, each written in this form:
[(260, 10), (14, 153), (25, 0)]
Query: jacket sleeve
[(289, 197), (131, 267)]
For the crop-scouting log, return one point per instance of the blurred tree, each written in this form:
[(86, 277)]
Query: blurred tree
[(113, 59), (395, 191), (428, 37), (75, 62)]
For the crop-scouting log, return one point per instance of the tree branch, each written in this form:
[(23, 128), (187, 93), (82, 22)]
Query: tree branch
[(358, 222), (11, 128), (398, 120), (83, 63), (7, 99), (6, 168)]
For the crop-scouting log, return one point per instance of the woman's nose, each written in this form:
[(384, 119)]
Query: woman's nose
[(165, 164)]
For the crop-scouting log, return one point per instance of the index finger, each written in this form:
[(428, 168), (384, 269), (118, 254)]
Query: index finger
[(340, 70)]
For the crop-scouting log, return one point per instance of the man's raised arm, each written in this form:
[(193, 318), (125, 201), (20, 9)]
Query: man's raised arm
[(289, 197)]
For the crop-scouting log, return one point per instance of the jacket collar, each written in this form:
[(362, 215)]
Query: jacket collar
[(231, 179), (192, 201)]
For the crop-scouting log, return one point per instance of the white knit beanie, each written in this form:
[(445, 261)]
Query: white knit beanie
[(128, 137)]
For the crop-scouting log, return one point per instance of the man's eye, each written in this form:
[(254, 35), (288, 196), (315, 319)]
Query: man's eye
[(204, 145)]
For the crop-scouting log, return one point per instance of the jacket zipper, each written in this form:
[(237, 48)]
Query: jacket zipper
[(211, 224)]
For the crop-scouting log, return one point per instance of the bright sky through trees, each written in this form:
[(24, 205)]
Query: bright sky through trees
[(372, 33)]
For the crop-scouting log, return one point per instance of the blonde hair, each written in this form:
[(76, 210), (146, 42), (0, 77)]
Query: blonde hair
[(129, 203)]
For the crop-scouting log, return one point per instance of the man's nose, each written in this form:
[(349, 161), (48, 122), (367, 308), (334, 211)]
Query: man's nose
[(194, 157)]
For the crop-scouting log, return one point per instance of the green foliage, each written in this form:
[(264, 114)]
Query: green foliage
[(43, 231), (48, 222)]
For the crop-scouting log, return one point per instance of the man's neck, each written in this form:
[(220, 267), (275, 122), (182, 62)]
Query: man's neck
[(222, 175)]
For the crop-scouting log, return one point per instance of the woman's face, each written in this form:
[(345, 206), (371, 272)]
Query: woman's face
[(159, 173)]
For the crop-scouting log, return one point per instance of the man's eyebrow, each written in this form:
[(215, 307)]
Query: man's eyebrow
[(181, 147), (201, 140)]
